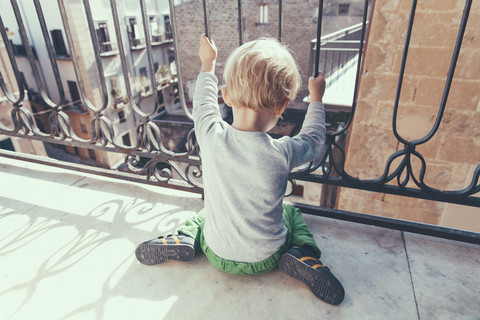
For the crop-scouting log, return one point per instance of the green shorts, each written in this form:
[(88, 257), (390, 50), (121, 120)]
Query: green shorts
[(297, 235)]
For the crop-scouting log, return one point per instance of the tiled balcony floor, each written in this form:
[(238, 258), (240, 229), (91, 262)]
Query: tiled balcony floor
[(67, 244)]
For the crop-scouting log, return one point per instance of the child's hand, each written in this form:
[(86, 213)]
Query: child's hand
[(316, 86), (208, 54)]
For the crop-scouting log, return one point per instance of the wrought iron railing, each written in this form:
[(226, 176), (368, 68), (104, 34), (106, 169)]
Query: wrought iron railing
[(403, 173), (182, 170)]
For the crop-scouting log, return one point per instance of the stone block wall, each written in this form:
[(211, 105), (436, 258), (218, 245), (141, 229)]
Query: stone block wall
[(299, 28), (454, 151)]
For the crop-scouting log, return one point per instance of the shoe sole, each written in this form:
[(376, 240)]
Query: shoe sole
[(320, 281), (151, 253)]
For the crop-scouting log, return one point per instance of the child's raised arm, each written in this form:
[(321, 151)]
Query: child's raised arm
[(316, 86), (208, 54)]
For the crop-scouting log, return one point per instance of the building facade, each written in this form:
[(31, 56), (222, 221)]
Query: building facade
[(453, 153), (62, 87)]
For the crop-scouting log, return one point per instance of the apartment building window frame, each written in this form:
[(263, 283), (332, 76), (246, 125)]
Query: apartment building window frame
[(144, 80), (83, 125), (91, 154), (154, 26), (121, 116), (126, 139), (103, 36), (168, 27), (142, 71), (134, 33), (74, 92), (262, 17), (58, 43), (343, 9)]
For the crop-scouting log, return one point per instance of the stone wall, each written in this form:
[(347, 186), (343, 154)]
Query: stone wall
[(299, 28), (455, 149)]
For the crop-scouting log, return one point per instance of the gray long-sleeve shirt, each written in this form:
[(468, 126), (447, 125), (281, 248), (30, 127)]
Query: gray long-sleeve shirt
[(245, 176)]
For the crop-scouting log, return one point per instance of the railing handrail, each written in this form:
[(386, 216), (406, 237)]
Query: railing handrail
[(338, 34)]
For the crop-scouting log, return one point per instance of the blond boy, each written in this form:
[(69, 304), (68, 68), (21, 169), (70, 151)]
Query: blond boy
[(245, 228)]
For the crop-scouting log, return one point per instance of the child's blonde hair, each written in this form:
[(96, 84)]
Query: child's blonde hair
[(261, 75)]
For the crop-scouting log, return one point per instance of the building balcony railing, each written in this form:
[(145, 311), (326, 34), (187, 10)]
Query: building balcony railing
[(108, 49), (184, 170)]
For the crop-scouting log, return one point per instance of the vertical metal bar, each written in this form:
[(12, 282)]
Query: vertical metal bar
[(146, 29), (123, 60), (98, 59), (205, 18), (310, 64), (31, 57), (75, 62), (451, 71), (332, 64), (280, 19), (51, 53), (357, 76), (360, 55), (319, 34), (325, 56), (402, 71), (11, 56), (339, 53), (240, 23), (177, 59)]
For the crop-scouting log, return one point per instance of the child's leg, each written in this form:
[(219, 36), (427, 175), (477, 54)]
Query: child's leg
[(299, 235), (300, 260), (182, 247), (193, 228)]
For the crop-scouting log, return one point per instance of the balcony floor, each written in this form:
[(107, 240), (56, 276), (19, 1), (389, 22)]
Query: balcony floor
[(67, 244)]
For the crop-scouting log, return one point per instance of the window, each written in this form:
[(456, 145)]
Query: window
[(103, 37), (298, 191), (121, 116), (83, 126), (58, 43), (154, 32), (262, 14), (19, 49), (126, 139), (91, 154), (74, 94), (7, 144), (134, 32), (144, 81), (143, 72), (343, 9), (168, 29)]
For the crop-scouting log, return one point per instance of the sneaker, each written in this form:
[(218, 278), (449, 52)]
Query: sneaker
[(161, 249), (314, 274)]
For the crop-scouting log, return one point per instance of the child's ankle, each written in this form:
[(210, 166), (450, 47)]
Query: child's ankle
[(308, 250)]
